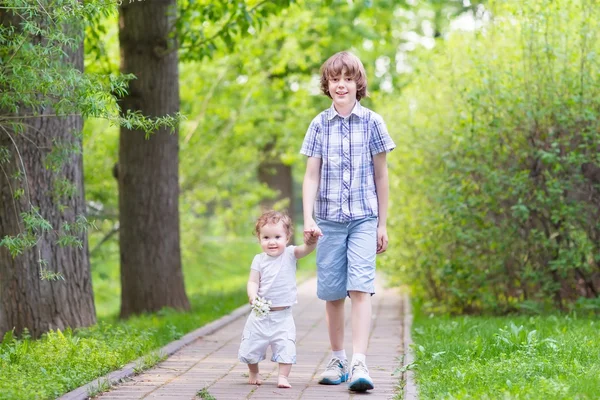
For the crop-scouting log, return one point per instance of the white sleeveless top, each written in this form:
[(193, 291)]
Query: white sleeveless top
[(277, 277)]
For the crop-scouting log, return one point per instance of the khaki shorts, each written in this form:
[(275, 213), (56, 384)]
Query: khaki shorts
[(276, 330)]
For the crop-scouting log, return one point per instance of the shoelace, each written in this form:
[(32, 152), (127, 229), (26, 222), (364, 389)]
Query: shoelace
[(334, 363), (360, 366)]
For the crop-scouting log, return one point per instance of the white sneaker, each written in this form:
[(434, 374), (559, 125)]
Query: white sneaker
[(335, 373), (360, 381)]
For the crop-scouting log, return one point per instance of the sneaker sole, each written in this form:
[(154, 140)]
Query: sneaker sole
[(361, 385), (327, 381)]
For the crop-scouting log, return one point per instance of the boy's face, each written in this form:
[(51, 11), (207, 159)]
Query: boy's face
[(343, 90), (273, 239)]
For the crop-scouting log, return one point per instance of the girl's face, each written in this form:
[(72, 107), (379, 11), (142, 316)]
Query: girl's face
[(273, 239), (343, 90)]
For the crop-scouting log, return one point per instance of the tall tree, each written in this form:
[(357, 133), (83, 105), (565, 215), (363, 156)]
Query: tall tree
[(277, 176), (41, 178), (151, 272)]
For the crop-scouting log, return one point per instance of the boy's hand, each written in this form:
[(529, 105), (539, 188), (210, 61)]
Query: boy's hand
[(382, 239), (311, 227), (311, 237)]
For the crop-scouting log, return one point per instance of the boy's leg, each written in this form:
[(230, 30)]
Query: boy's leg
[(334, 313), (331, 286), (361, 313), (362, 247), (254, 377), (284, 372)]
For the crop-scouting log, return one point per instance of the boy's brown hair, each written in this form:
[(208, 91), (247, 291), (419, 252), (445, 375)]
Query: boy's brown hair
[(344, 61), (274, 217)]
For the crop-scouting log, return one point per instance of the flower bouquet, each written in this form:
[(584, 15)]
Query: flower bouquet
[(261, 306)]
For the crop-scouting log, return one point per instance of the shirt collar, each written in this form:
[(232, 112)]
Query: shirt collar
[(357, 110)]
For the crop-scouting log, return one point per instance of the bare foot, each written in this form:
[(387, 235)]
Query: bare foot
[(282, 382), (254, 378)]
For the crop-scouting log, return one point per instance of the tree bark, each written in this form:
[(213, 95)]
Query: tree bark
[(278, 177), (151, 272), (26, 301)]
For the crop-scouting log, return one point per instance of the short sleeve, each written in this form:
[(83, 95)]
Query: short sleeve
[(380, 138), (311, 146), (290, 252), (256, 263), (291, 255)]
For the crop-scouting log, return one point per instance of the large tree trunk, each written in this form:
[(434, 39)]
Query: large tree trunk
[(26, 301), (151, 273), (278, 177)]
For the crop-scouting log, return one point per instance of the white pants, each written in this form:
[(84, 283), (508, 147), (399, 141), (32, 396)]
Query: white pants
[(277, 330)]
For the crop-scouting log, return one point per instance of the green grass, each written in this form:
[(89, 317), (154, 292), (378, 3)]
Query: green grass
[(204, 394), (215, 276), (541, 357)]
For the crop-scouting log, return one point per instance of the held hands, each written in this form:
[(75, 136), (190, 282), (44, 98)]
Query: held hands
[(311, 236), (311, 233)]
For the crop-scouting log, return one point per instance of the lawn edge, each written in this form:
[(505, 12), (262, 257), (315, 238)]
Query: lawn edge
[(410, 387), (116, 377)]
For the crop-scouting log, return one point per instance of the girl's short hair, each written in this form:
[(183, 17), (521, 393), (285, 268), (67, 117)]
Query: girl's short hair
[(348, 62), (274, 217)]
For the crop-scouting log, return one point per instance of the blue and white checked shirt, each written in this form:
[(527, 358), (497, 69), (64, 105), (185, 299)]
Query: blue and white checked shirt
[(346, 146)]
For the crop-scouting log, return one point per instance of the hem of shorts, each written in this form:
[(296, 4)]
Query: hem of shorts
[(245, 360), (372, 291), (332, 298), (280, 362)]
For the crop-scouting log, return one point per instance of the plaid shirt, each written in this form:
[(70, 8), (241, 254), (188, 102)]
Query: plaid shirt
[(346, 146)]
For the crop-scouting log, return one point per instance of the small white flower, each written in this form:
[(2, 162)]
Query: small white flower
[(261, 306)]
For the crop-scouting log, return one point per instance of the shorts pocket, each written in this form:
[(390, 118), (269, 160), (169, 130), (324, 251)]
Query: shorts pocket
[(245, 349)]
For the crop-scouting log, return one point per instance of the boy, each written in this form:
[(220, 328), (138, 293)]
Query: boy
[(346, 182), (273, 277)]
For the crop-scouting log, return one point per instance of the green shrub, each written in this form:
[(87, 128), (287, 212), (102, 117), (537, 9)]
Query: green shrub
[(496, 180)]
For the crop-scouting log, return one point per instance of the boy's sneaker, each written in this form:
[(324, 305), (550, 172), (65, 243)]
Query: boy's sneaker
[(360, 381), (335, 373)]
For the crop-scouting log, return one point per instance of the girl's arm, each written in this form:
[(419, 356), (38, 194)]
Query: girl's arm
[(305, 249), (253, 283)]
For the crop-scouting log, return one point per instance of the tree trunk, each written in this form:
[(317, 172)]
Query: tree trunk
[(151, 273), (278, 177), (26, 301)]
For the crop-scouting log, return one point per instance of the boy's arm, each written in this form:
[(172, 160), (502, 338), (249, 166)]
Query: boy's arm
[(310, 185), (252, 287), (383, 189)]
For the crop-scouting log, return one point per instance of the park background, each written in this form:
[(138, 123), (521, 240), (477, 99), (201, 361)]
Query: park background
[(122, 231)]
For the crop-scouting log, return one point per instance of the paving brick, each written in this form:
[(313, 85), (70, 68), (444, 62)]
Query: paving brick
[(210, 362)]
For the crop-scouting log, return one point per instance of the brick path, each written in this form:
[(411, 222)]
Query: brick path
[(210, 362)]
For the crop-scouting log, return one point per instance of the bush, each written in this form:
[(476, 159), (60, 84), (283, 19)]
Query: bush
[(496, 180)]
